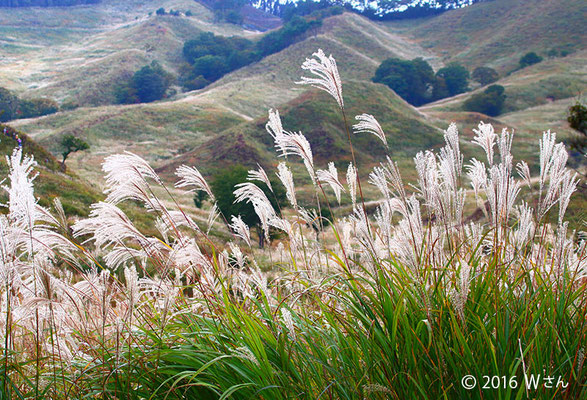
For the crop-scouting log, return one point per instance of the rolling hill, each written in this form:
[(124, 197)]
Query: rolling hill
[(93, 46), (497, 33)]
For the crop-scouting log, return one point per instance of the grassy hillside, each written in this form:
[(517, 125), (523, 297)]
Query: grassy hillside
[(164, 130), (76, 195), (157, 131), (80, 53), (318, 117), (542, 83), (497, 33)]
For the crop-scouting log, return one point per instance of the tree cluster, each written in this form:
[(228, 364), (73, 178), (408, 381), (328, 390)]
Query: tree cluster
[(489, 102), (210, 57), (12, 107), (148, 84), (175, 13), (415, 80)]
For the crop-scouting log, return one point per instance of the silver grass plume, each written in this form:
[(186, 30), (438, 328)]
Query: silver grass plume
[(524, 171), (191, 177), (461, 292), (251, 193), (241, 229), (330, 177), (285, 176), (296, 144), (22, 205), (568, 186), (326, 71), (368, 124), (485, 137), (275, 129), (259, 175), (351, 180), (126, 178), (212, 217)]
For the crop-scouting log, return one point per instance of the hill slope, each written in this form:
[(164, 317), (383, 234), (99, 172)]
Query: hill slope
[(498, 32), (76, 195)]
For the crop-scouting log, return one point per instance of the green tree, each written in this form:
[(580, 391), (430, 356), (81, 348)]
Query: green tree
[(223, 185), (160, 11), (529, 59), (70, 144), (210, 67), (485, 75), (151, 82), (37, 107), (577, 119), (489, 102), (411, 80), (8, 105), (455, 77)]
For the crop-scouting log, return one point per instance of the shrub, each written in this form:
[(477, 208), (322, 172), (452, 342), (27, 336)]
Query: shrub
[(529, 59), (160, 11), (490, 102), (485, 75), (456, 77), (148, 84)]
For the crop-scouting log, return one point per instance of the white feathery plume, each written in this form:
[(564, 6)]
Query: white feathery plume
[(451, 137), (378, 178), (478, 175), (285, 176), (212, 217), (546, 150), (427, 178), (330, 177), (275, 128), (525, 225), (351, 180), (367, 123), (568, 186), (296, 144), (259, 175), (251, 193), (326, 71), (108, 225), (524, 172), (504, 144), (22, 205), (556, 171), (485, 137), (238, 255), (187, 254), (131, 278), (126, 178), (241, 229), (461, 292), (120, 255), (287, 320), (191, 177)]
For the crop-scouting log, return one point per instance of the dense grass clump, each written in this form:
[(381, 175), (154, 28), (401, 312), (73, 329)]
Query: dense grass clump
[(408, 301)]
